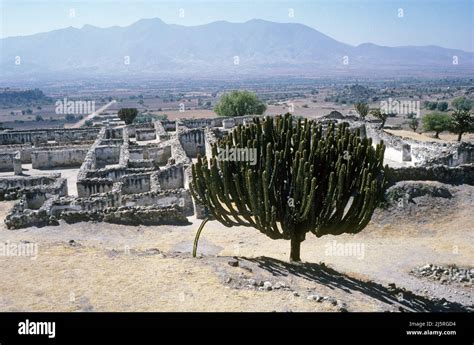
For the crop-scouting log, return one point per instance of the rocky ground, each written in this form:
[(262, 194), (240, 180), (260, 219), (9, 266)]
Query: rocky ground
[(415, 255)]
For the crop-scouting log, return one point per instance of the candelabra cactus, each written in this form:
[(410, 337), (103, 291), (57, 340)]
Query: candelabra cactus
[(306, 179)]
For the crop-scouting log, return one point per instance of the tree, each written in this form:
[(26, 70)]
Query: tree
[(413, 122), (362, 109), (377, 113), (462, 122), (303, 180), (436, 122), (442, 106), (462, 103), (128, 114), (39, 118), (430, 105), (240, 103)]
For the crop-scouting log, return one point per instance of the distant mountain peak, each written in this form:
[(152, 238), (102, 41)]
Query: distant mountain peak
[(262, 47), (154, 20), (89, 27)]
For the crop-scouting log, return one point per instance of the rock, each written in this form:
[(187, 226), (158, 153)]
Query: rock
[(233, 263), (279, 285), (267, 285), (341, 304), (246, 268), (152, 251), (316, 298), (296, 294), (228, 280), (252, 282)]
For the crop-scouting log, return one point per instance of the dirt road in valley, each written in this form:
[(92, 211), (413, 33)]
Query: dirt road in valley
[(91, 116)]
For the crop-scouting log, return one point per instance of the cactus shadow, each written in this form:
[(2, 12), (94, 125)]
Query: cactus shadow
[(324, 275)]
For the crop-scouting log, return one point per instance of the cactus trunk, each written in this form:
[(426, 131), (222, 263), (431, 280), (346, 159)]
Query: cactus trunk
[(295, 249)]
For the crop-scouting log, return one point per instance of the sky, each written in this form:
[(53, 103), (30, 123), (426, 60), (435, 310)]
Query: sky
[(446, 23)]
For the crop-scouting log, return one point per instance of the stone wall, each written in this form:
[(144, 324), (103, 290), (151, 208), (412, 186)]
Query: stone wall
[(107, 155), (462, 174), (135, 183), (24, 149), (13, 187), (114, 133), (169, 126), (159, 154), (53, 158), (23, 137), (160, 130), (171, 177), (88, 187), (6, 161), (145, 134), (193, 142), (73, 135), (422, 153), (180, 198)]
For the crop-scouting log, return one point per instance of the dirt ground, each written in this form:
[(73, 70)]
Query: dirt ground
[(107, 267), (429, 136)]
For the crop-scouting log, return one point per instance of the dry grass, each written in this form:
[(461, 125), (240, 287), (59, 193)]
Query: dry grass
[(443, 137), (112, 269)]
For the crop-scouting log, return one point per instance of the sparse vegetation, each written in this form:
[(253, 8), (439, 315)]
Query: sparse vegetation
[(362, 109), (462, 103), (147, 118), (240, 103), (413, 121), (22, 97), (436, 122), (128, 115), (382, 116), (442, 106), (462, 122)]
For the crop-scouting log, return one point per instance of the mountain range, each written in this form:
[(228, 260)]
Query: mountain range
[(152, 48)]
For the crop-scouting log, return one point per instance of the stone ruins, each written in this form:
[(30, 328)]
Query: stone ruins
[(139, 174)]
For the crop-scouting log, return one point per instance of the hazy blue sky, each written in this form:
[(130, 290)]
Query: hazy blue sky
[(447, 23)]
